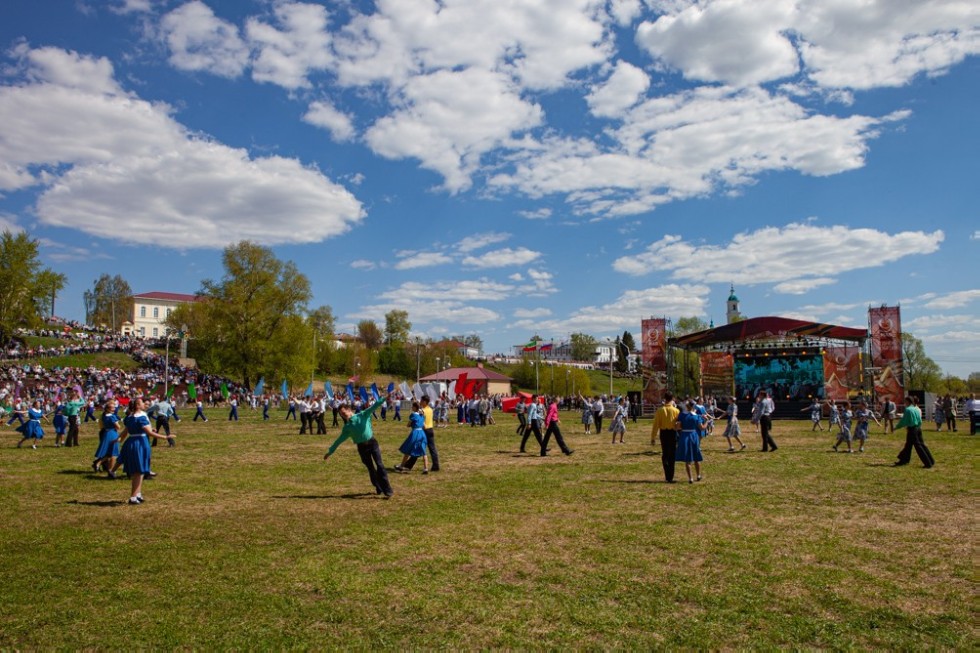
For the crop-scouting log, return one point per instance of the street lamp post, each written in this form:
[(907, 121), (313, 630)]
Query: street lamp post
[(418, 358)]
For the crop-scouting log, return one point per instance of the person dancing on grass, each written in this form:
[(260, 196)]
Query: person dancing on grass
[(618, 424), (31, 429), (732, 429), (534, 418), (136, 452), (587, 418), (413, 447), (845, 427), (912, 421), (816, 414), (863, 416), (551, 428), (834, 417), (688, 427), (358, 428), (108, 449)]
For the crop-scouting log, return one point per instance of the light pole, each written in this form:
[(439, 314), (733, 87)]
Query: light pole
[(533, 363), (568, 374), (418, 358)]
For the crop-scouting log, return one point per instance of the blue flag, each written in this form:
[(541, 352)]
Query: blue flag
[(391, 387), (350, 391), (285, 390), (259, 387), (309, 390), (364, 395), (374, 391), (328, 390)]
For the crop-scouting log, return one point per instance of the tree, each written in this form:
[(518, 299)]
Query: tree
[(397, 327), (27, 290), (973, 382), (474, 341), (686, 371), (583, 347), (625, 346), (921, 372), (370, 334), (321, 323), (109, 302), (252, 321)]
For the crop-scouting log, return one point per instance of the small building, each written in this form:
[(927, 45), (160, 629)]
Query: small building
[(150, 309), (487, 381)]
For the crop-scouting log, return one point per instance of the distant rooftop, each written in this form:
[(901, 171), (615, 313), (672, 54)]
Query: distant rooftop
[(166, 296)]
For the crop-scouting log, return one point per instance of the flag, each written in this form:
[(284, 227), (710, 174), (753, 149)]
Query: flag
[(461, 384), (391, 387), (470, 388), (191, 391), (364, 395), (374, 391), (328, 390), (451, 390), (309, 390), (224, 390), (405, 390), (350, 391), (285, 389), (531, 346), (170, 391), (417, 391), (433, 391), (259, 387), (546, 347)]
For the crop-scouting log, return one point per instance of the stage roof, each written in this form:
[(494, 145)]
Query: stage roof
[(760, 328)]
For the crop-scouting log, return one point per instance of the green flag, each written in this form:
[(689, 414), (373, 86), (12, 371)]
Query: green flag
[(224, 390), (170, 392), (191, 391)]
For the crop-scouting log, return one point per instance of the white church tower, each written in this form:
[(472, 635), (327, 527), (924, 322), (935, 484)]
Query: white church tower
[(732, 311)]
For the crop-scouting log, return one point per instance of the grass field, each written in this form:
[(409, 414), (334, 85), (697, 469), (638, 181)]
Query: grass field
[(250, 540)]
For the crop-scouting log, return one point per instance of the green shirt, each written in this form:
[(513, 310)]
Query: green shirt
[(358, 427), (72, 407), (911, 417)]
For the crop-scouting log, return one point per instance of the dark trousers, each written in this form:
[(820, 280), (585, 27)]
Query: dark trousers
[(72, 439), (233, 414), (265, 412), (200, 413), (321, 427), (913, 440), (334, 416), (430, 444), (950, 419), (521, 423), (291, 411), (553, 430), (303, 421), (597, 418), (533, 428), (668, 452), (162, 425), (765, 425), (370, 454)]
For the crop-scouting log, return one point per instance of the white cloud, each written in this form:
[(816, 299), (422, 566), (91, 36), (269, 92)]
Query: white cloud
[(537, 214), (287, 54), (131, 6), (106, 158), (975, 235), (502, 258), (325, 115), (413, 260), (618, 93), (63, 253), (942, 322), (465, 291), (363, 264), (524, 313), (479, 241), (429, 312), (200, 41), (9, 223), (803, 285), (798, 256), (953, 300)]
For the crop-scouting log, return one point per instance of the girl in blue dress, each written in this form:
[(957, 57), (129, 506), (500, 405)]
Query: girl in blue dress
[(60, 424), (688, 425), (135, 454), (733, 430), (845, 427), (108, 450), (31, 429), (414, 444)]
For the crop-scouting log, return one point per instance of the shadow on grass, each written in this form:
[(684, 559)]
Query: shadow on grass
[(635, 481), (75, 471), (353, 495), (97, 504), (642, 453)]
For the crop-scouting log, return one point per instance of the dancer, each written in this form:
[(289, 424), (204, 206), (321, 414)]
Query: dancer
[(108, 449), (618, 424), (845, 427), (688, 425), (888, 414), (912, 421), (587, 418), (816, 414), (732, 429), (551, 428), (938, 415), (534, 419), (413, 447), (136, 452), (597, 408), (664, 425), (766, 409), (862, 415), (428, 427), (200, 411), (358, 429), (59, 423), (31, 428)]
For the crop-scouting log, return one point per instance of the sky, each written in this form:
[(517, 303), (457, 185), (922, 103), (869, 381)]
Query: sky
[(509, 168)]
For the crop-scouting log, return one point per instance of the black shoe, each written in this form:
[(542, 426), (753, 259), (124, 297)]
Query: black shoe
[(434, 469), (899, 464), (388, 495), (149, 476), (544, 453), (569, 452)]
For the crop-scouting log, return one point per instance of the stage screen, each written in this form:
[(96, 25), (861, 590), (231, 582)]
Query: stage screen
[(786, 377)]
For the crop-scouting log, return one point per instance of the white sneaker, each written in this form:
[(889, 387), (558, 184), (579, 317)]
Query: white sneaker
[(134, 501)]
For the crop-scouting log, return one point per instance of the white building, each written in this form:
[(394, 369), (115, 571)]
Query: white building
[(150, 310)]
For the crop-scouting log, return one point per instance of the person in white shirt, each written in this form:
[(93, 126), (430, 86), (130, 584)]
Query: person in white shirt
[(766, 408)]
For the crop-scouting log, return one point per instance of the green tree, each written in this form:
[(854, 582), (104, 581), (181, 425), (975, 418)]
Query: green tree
[(252, 321), (321, 323), (27, 289), (109, 302), (370, 334), (625, 346), (973, 382), (583, 347), (397, 327), (921, 372), (686, 370)]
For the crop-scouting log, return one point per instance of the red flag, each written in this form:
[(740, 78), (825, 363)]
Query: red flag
[(471, 386), (461, 384), (525, 397)]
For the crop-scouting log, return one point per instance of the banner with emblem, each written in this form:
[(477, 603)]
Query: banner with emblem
[(654, 358), (717, 373), (841, 372), (886, 352)]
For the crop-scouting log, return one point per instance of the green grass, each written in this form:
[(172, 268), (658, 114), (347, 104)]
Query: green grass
[(114, 359), (250, 540)]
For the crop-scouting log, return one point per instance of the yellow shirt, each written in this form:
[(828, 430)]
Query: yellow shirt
[(427, 413), (665, 418)]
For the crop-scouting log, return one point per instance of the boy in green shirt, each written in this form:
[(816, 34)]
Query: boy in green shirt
[(912, 421), (358, 428)]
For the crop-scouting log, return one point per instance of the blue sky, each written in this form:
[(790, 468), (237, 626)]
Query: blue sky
[(507, 168)]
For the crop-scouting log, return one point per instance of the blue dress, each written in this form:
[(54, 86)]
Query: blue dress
[(32, 427), (108, 437), (59, 422), (688, 440), (135, 454), (414, 444)]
